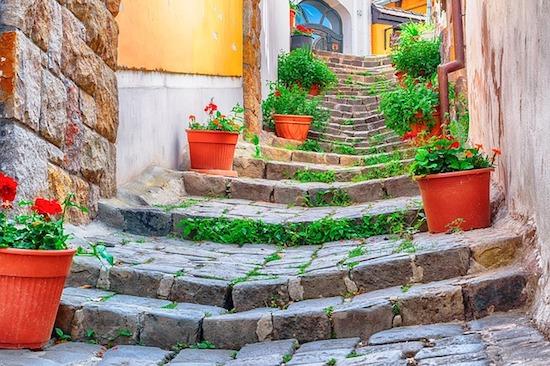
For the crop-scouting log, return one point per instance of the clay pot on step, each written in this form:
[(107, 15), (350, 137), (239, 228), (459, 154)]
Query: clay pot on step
[(31, 284), (292, 127), (212, 150), (457, 200)]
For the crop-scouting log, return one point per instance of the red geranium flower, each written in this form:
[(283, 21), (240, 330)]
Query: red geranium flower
[(8, 189), (46, 207), (497, 151), (469, 154), (192, 118), (479, 146), (211, 108), (455, 145)]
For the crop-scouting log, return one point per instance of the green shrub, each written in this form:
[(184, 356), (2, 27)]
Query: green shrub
[(311, 145), (293, 100), (416, 55), (301, 67), (400, 106)]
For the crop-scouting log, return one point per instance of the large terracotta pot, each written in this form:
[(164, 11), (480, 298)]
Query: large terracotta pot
[(31, 284), (458, 200), (212, 150), (292, 127), (292, 18)]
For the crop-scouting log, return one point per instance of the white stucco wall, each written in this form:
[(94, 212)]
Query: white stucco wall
[(508, 77), (154, 110), (275, 38)]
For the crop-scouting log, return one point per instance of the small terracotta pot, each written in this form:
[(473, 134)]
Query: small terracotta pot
[(457, 200), (31, 284), (292, 127), (212, 150), (315, 90), (292, 18)]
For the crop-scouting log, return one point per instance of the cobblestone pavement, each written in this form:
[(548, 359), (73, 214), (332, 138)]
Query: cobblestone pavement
[(501, 339)]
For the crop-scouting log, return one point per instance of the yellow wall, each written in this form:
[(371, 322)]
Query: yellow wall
[(378, 33), (182, 36), (418, 6)]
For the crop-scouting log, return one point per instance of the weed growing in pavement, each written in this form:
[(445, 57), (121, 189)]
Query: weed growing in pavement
[(329, 310), (307, 176), (170, 306), (353, 354), (406, 246), (357, 252), (331, 362), (328, 198), (248, 231), (184, 204), (311, 145), (203, 345), (62, 336), (377, 139), (344, 149), (382, 158), (396, 309), (405, 288), (388, 170), (287, 358), (348, 122)]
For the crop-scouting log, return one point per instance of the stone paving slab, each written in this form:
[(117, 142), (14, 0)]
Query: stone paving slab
[(503, 339)]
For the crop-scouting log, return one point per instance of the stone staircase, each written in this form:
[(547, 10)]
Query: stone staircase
[(270, 270), (353, 105)]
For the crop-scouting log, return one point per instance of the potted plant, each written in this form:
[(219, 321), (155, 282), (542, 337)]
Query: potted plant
[(302, 37), (413, 111), (212, 145), (301, 67), (34, 263), (294, 9), (291, 111), (416, 55), (454, 182)]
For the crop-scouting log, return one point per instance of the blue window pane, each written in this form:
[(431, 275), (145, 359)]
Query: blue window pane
[(312, 14), (327, 23)]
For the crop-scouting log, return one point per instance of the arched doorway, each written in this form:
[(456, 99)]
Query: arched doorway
[(325, 22)]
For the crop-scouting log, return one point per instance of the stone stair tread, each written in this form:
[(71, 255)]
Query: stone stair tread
[(489, 340), (210, 274), (440, 301)]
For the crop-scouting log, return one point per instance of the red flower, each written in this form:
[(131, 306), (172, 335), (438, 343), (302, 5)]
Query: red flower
[(479, 146), (455, 145), (305, 30), (8, 189), (192, 118), (45, 207), (277, 93), (497, 151), (469, 154), (211, 107)]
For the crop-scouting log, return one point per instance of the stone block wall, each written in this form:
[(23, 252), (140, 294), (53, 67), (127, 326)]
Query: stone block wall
[(59, 97)]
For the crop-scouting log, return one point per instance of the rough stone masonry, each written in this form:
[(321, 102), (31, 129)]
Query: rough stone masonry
[(59, 98)]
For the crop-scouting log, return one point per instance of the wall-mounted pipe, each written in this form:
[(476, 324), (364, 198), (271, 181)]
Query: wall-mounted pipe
[(458, 63)]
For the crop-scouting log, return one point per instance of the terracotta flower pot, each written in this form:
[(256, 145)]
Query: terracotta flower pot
[(457, 200), (292, 18), (315, 90), (212, 150), (31, 283), (292, 127)]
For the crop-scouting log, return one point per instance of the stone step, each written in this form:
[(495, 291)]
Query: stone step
[(502, 338), (349, 105), (164, 220), (383, 59), (282, 154), (279, 170), (219, 274), (349, 130), (362, 316), (295, 193), (334, 113), (365, 148)]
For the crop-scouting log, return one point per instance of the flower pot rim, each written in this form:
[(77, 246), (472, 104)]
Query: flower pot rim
[(454, 174), (294, 115), (38, 253), (212, 131), (301, 35)]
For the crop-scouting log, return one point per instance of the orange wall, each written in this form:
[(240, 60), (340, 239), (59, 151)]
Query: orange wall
[(182, 36), (418, 6)]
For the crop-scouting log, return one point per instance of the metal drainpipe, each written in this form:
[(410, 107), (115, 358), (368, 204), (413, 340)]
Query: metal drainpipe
[(444, 70)]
